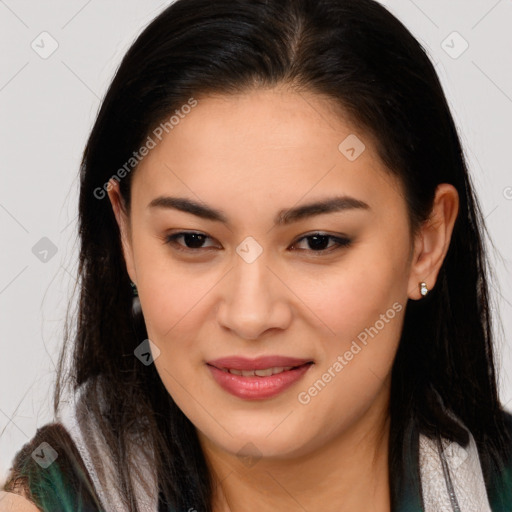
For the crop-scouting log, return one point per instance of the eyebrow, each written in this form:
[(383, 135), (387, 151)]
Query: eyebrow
[(283, 217)]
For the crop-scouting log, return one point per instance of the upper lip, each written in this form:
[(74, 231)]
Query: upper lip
[(260, 363)]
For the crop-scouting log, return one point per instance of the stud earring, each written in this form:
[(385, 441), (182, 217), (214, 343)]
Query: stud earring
[(423, 289), (136, 309)]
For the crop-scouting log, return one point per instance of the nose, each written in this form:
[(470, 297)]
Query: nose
[(254, 300)]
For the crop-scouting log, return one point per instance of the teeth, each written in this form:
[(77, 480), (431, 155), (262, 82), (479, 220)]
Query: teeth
[(260, 373)]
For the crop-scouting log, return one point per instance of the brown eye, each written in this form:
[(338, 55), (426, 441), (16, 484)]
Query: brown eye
[(192, 240), (318, 242)]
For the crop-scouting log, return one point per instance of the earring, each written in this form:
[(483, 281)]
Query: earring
[(136, 309), (423, 289)]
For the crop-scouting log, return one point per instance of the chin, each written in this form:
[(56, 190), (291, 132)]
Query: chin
[(258, 443)]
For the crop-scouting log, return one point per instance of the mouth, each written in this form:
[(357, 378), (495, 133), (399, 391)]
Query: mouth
[(262, 366), (258, 379), (264, 372)]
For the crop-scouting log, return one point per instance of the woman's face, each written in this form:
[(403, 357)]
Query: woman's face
[(258, 282)]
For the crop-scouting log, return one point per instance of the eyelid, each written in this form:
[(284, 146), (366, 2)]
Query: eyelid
[(341, 241), (169, 239)]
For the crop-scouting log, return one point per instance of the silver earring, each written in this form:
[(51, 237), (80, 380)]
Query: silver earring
[(136, 309), (423, 289)]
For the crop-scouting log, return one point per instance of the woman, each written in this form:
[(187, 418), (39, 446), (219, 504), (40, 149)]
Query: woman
[(284, 301)]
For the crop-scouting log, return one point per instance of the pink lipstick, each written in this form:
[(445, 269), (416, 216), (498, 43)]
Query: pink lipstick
[(257, 379)]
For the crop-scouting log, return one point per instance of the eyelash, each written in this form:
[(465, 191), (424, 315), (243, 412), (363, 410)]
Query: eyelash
[(341, 242)]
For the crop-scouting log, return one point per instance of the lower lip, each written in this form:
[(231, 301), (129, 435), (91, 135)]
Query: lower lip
[(257, 388)]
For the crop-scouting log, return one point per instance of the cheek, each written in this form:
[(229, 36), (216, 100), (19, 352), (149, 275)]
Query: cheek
[(361, 306), (174, 304), (174, 310), (353, 296), (169, 289), (365, 314)]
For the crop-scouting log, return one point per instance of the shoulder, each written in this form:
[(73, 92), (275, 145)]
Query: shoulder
[(49, 474), (10, 502)]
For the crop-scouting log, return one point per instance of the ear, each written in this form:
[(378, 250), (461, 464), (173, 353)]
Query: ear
[(433, 240), (123, 221)]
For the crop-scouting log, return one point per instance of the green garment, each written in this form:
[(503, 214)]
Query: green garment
[(63, 486)]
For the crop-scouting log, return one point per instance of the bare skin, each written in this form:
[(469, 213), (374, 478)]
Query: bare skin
[(10, 502), (251, 156)]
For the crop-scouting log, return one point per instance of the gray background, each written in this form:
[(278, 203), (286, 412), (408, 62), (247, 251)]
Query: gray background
[(48, 104)]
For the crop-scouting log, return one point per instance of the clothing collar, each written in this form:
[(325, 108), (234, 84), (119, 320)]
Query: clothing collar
[(442, 476)]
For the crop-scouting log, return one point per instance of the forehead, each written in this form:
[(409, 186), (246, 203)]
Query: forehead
[(263, 144)]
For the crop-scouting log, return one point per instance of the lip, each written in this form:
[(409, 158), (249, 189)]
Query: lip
[(260, 363), (255, 387)]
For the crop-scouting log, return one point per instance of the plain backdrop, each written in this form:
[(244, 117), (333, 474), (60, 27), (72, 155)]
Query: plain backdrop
[(57, 59)]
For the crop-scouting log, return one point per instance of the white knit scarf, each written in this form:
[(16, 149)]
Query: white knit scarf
[(451, 476)]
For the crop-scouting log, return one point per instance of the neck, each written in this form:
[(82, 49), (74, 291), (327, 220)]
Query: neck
[(350, 472)]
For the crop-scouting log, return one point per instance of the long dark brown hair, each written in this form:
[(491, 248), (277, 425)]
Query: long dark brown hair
[(361, 57)]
